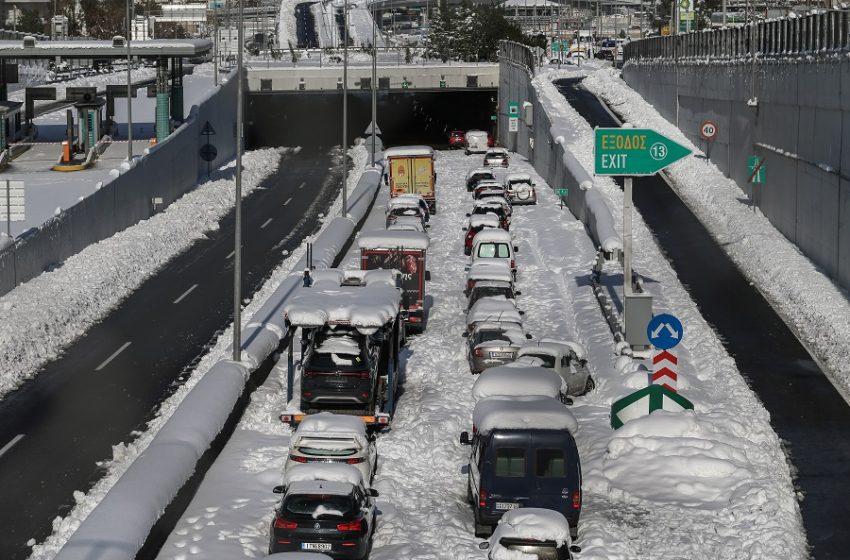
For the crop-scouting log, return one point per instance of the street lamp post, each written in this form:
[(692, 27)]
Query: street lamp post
[(374, 83), (345, 109), (129, 92), (237, 228)]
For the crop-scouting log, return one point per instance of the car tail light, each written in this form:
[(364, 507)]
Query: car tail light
[(284, 524), (286, 418), (513, 264), (361, 374), (309, 373), (478, 353), (414, 319), (307, 394), (470, 284), (576, 499), (350, 526), (298, 459), (355, 460), (348, 544), (383, 419), (482, 498)]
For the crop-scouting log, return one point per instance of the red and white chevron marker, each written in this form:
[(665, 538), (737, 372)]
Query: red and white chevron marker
[(664, 366)]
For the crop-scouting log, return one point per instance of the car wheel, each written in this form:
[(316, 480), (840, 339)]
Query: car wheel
[(589, 385)]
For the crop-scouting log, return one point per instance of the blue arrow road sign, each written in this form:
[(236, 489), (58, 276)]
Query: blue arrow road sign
[(664, 331)]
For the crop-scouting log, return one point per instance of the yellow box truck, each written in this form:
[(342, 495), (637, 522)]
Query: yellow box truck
[(410, 169)]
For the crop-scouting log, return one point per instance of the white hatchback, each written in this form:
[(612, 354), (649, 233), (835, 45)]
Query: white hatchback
[(333, 438)]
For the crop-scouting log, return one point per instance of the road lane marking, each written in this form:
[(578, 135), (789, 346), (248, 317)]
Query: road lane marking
[(302, 185), (113, 356), (11, 444), (288, 200), (186, 293), (267, 222), (230, 254)]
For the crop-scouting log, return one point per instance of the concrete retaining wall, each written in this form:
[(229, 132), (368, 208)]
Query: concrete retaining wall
[(801, 126), (168, 171)]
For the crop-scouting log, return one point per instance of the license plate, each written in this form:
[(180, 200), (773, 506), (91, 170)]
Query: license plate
[(501, 354), (315, 546), (502, 506)]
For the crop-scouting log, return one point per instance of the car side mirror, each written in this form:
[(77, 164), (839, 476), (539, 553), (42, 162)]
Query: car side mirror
[(372, 493), (528, 336), (465, 334), (464, 438), (516, 248), (277, 490), (468, 214), (484, 545), (464, 228), (517, 293), (574, 548), (427, 275)]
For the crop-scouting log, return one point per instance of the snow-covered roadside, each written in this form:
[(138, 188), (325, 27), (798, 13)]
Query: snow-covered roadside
[(807, 299), (697, 485), (124, 454), (49, 312), (286, 24)]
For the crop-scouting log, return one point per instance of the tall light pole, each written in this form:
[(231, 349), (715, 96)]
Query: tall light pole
[(345, 109), (129, 92), (237, 227), (374, 82)]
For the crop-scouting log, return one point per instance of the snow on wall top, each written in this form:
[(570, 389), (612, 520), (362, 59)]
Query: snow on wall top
[(384, 239), (492, 309), (327, 424), (370, 304), (527, 381), (339, 473), (530, 523), (408, 151), (516, 413)]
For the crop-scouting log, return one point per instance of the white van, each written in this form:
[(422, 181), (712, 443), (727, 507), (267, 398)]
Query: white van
[(492, 243), (476, 142)]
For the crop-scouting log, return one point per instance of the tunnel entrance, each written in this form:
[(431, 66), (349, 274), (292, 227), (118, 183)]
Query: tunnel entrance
[(310, 119)]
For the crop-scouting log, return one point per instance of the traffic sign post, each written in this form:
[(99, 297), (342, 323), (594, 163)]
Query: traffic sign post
[(513, 116), (632, 152), (708, 132), (756, 174), (561, 194)]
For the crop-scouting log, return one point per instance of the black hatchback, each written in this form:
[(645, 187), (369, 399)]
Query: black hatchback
[(333, 518)]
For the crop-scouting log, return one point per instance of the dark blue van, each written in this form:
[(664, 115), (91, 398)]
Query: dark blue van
[(513, 464)]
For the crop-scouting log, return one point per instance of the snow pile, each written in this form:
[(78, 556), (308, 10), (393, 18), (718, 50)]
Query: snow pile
[(814, 307), (329, 472), (325, 302), (530, 523), (493, 310), (328, 425), (527, 381), (679, 459), (100, 81), (519, 413), (50, 311)]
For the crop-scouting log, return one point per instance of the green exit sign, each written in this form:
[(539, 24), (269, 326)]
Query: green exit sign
[(562, 192), (634, 151), (442, 83), (405, 84)]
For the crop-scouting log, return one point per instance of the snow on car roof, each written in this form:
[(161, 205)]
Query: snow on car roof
[(405, 200), (492, 236), (534, 524), (499, 151), (515, 413), (475, 132), (491, 201), (407, 151), (480, 171), (370, 304), (490, 269), (518, 177), (493, 284), (484, 220), (327, 424), (338, 473), (384, 239), (501, 381), (409, 223), (552, 347), (492, 309)]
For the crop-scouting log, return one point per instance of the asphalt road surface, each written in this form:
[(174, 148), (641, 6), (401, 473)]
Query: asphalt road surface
[(806, 410), (55, 429)]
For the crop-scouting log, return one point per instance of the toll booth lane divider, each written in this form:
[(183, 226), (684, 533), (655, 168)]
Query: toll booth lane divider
[(119, 526)]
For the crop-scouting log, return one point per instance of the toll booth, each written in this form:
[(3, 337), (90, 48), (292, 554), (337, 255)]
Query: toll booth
[(89, 123), (10, 127)]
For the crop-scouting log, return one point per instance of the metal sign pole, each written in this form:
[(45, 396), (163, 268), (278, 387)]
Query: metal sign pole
[(627, 235), (8, 210), (374, 82), (345, 111), (237, 230), (129, 93)]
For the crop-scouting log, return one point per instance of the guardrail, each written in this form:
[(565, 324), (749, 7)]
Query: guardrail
[(822, 34)]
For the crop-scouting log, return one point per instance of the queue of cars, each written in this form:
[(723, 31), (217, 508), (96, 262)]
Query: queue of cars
[(524, 470)]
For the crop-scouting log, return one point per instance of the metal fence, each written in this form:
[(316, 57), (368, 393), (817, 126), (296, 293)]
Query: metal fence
[(518, 55), (821, 34)]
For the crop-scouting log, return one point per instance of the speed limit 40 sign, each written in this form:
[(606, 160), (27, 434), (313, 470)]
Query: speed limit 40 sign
[(708, 131)]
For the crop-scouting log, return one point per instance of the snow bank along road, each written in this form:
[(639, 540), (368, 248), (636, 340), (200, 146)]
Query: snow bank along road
[(108, 383), (807, 412), (708, 484)]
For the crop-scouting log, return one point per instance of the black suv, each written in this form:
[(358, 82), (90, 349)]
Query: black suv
[(340, 370)]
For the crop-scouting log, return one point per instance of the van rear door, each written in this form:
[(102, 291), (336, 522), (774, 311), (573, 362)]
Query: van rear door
[(557, 473)]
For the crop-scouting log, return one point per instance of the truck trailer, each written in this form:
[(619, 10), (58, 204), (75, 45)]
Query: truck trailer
[(410, 169)]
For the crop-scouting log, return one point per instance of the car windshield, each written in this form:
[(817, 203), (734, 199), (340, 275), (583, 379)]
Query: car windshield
[(318, 506), (344, 352), (314, 451), (494, 250), (539, 550), (489, 291), (548, 361)]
